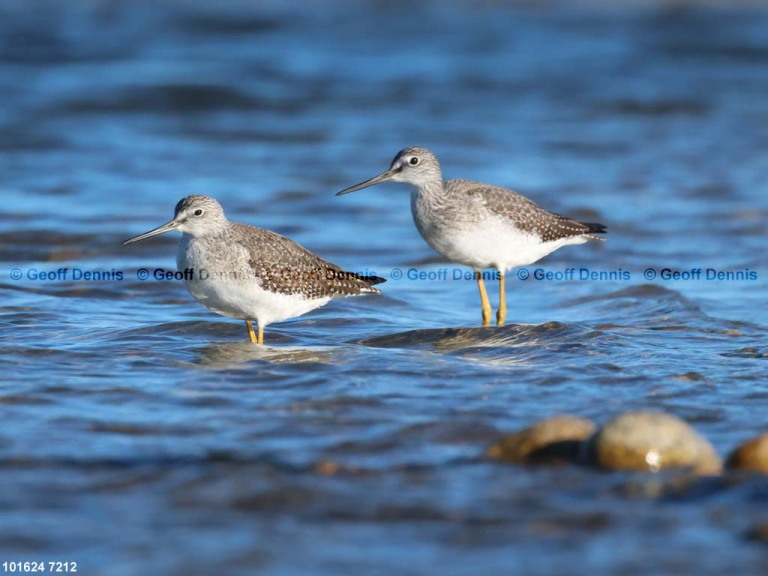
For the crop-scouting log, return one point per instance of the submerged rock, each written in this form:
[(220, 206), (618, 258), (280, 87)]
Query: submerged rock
[(652, 441), (758, 533), (555, 439), (751, 456)]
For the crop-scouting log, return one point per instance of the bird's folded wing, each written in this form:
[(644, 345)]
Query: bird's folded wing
[(527, 216)]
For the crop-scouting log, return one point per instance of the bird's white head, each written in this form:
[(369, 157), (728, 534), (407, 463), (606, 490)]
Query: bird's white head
[(195, 215), (415, 166)]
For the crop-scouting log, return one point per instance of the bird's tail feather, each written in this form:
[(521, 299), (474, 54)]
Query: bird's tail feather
[(372, 280), (595, 228)]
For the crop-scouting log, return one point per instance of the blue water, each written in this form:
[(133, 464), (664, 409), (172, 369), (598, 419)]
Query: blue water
[(142, 434)]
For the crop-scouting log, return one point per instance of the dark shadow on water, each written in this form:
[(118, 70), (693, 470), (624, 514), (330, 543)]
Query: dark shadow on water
[(230, 355), (193, 330), (455, 339), (225, 345)]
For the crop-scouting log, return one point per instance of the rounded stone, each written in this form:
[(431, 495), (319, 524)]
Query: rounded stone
[(751, 456), (555, 439), (758, 533), (652, 441)]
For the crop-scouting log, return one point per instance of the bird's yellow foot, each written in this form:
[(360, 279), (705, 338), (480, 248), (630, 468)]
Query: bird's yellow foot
[(483, 299), (252, 334), (501, 314)]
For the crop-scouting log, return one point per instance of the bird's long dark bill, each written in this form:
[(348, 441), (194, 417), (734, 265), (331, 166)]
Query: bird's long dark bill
[(383, 177), (160, 230)]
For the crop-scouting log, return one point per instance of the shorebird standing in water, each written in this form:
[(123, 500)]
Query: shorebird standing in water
[(479, 225), (249, 273)]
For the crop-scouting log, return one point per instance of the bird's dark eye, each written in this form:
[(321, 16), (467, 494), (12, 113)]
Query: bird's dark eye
[(199, 212), (413, 161)]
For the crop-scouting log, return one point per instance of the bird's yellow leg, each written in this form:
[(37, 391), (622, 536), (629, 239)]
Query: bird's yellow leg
[(484, 299), (501, 315), (251, 333), (261, 335)]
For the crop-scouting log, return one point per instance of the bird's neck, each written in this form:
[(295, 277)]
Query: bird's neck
[(433, 189), (427, 201)]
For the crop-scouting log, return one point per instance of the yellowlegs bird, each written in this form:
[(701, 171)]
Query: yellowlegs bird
[(479, 225), (250, 273)]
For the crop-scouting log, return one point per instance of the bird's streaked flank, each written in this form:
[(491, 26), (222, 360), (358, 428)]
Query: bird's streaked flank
[(479, 225), (249, 273)]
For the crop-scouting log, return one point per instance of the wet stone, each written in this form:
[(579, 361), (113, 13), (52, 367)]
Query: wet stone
[(751, 456), (556, 439), (758, 533), (651, 441)]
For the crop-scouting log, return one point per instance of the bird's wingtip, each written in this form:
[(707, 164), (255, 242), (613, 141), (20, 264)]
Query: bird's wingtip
[(596, 228)]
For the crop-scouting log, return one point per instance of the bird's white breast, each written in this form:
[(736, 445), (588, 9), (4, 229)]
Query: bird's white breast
[(228, 287), (478, 238)]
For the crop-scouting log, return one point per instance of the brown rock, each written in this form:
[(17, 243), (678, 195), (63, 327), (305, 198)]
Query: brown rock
[(751, 456), (652, 441), (327, 468), (758, 533), (551, 440)]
